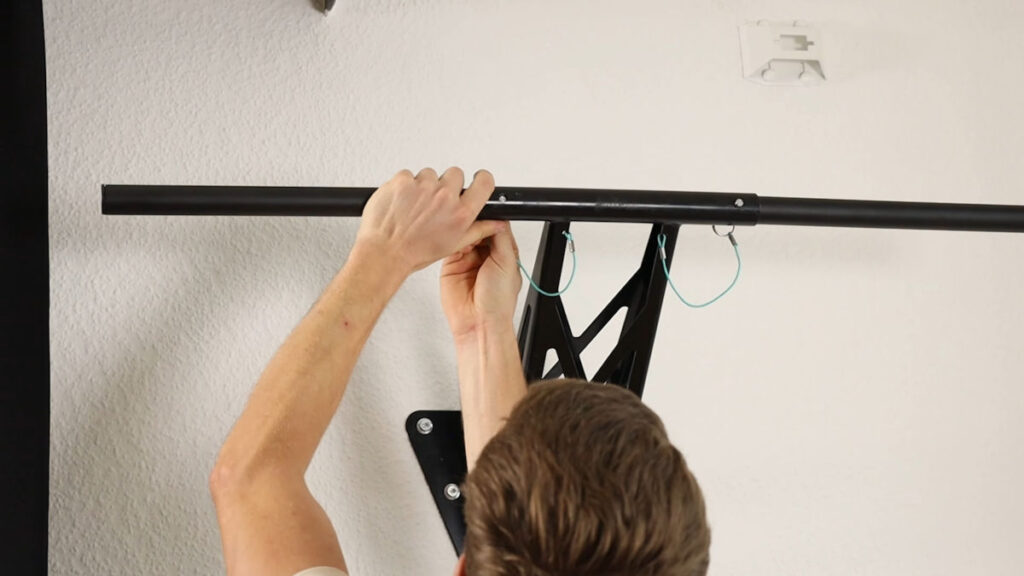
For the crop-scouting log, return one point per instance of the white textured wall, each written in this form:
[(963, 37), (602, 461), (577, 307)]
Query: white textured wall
[(855, 407)]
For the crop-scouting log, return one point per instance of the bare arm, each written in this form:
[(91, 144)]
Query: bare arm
[(479, 290), (270, 523), (491, 383), (269, 520)]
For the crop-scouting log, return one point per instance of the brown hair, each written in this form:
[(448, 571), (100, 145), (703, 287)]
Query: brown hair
[(583, 480)]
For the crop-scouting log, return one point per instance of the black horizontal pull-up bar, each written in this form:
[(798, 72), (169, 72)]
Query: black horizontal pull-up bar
[(577, 205)]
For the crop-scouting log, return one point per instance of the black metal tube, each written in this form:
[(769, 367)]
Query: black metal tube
[(642, 206), (886, 214), (507, 203), (234, 200), (577, 205)]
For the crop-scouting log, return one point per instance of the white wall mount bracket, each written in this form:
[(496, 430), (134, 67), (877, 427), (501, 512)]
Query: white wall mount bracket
[(782, 53)]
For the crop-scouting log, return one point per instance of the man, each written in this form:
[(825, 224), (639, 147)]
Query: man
[(570, 478)]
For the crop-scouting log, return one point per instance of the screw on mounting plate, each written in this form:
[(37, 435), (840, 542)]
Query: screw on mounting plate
[(452, 492), (739, 203), (425, 426)]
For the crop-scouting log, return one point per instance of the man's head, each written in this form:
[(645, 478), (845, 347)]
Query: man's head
[(583, 480)]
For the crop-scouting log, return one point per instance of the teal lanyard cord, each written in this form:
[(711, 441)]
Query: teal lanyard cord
[(572, 251), (664, 266)]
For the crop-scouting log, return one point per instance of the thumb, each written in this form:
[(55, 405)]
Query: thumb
[(478, 231), (504, 249)]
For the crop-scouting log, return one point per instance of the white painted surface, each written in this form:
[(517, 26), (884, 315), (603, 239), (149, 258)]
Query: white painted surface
[(855, 407)]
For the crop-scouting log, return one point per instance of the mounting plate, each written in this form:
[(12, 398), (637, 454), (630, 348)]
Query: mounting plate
[(441, 451)]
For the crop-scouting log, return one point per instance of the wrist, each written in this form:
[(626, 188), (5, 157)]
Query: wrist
[(370, 247), (485, 329), (377, 262)]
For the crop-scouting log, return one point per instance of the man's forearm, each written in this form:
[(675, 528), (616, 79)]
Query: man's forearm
[(299, 392), (491, 383)]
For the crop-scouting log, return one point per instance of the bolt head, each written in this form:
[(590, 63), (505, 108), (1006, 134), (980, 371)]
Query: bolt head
[(424, 425), (452, 492), (739, 203), (502, 198)]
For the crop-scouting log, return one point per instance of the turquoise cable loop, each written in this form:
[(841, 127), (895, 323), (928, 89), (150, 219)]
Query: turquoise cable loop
[(664, 266), (572, 250)]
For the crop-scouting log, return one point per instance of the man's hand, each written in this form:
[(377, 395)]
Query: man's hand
[(415, 221), (480, 284)]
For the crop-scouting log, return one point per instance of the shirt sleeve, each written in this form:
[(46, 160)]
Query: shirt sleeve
[(321, 571)]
